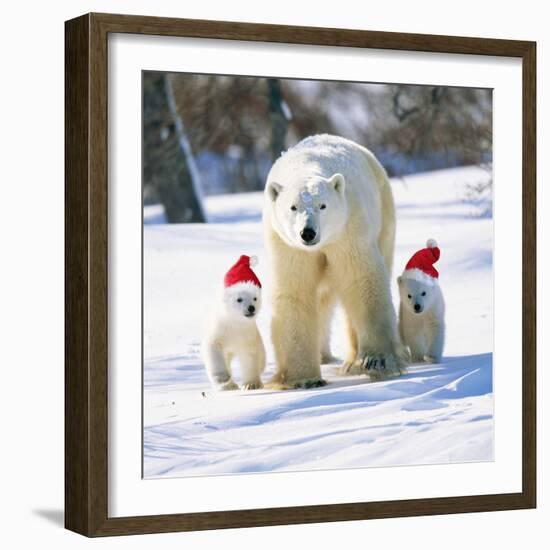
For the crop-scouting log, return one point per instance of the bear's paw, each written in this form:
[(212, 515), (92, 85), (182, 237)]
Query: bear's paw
[(383, 366), (254, 385), (308, 383), (228, 386), (350, 368)]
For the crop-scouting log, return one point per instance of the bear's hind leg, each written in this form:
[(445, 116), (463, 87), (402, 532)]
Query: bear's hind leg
[(350, 365), (326, 310)]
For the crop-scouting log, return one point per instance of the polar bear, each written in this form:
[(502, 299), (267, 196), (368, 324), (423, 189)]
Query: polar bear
[(232, 332), (329, 223), (422, 308)]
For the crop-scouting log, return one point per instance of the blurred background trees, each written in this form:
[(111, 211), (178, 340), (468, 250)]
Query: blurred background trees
[(222, 133)]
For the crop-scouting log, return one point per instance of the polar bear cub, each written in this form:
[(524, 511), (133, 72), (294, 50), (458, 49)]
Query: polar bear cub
[(422, 308), (232, 333)]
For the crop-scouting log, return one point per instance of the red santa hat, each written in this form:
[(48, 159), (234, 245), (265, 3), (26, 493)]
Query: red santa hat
[(420, 266), (241, 272)]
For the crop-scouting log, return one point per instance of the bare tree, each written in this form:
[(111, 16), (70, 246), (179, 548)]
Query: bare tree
[(227, 119), (168, 164)]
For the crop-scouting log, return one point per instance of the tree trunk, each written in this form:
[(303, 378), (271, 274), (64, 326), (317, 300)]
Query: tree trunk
[(168, 163), (279, 115)]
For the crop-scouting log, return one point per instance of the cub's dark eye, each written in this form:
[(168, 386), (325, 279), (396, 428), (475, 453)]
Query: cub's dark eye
[(239, 300), (323, 206), (255, 299), (423, 294), (293, 208), (409, 296)]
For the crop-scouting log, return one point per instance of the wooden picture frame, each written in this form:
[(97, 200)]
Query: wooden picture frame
[(86, 279)]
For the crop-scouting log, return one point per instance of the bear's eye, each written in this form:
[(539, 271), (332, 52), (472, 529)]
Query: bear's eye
[(423, 294), (255, 299), (323, 206), (239, 300), (409, 296), (293, 208)]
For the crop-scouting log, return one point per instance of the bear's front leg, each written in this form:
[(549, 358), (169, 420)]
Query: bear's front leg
[(218, 369), (436, 340), (295, 332), (252, 365), (417, 345), (368, 304), (295, 325)]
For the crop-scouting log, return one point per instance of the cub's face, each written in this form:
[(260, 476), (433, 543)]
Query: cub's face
[(416, 296), (308, 216), (242, 301)]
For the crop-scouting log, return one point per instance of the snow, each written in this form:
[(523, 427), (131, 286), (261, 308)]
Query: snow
[(434, 414)]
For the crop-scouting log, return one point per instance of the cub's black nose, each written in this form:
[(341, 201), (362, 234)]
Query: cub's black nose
[(417, 307), (251, 309), (308, 234)]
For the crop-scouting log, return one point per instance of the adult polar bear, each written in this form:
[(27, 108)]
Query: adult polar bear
[(329, 221)]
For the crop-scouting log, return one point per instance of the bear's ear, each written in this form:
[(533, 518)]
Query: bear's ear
[(274, 190), (399, 279), (338, 183)]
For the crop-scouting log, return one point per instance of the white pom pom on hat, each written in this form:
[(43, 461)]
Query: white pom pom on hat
[(253, 262), (431, 243)]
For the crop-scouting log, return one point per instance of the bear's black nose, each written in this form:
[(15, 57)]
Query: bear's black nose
[(417, 307), (251, 309), (308, 234)]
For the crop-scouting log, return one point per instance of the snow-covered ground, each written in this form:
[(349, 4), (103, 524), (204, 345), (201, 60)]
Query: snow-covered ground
[(434, 414)]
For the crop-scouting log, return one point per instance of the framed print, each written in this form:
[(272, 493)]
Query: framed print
[(300, 275)]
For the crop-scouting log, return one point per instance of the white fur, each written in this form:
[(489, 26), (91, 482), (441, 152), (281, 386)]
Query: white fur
[(233, 334), (349, 260), (418, 275), (423, 331)]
